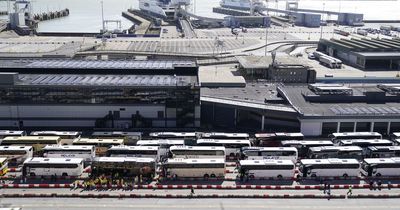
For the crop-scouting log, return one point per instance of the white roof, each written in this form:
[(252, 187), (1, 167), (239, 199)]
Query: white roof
[(338, 148), (290, 134), (8, 132), (12, 148), (68, 147), (53, 160), (161, 142), (98, 140), (307, 142), (228, 135), (22, 138), (124, 159), (396, 134), (177, 134), (381, 160), (183, 161), (55, 133), (195, 148), (350, 141), (270, 148), (224, 141), (134, 148), (2, 159), (266, 162), (328, 161), (357, 134)]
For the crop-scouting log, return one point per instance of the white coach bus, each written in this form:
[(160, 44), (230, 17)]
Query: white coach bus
[(276, 153), (232, 147), (225, 136), (53, 166), (195, 168), (336, 137), (267, 168), (197, 152), (134, 151), (381, 167), (16, 155), (87, 153), (346, 152), (329, 167)]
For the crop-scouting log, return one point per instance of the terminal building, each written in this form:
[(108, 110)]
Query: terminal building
[(366, 54), (99, 94)]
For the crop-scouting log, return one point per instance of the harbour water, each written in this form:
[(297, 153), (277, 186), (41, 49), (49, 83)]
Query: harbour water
[(85, 16)]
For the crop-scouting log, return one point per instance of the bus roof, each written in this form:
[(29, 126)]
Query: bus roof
[(134, 148), (11, 148), (199, 161), (224, 141), (356, 134), (381, 160), (384, 148), (227, 135), (336, 148), (175, 134), (123, 159), (2, 159), (290, 134), (115, 133), (32, 138), (161, 142), (266, 162), (311, 142), (328, 161), (351, 141), (98, 141), (53, 160), (11, 133), (195, 148), (67, 147), (270, 148), (55, 133), (396, 134)]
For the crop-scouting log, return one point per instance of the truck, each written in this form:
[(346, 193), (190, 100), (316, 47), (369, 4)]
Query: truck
[(330, 62), (362, 32)]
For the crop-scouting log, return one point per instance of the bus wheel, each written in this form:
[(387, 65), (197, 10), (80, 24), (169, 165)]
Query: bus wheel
[(32, 174), (206, 176), (64, 174), (345, 175), (280, 176), (213, 176), (313, 175), (252, 177), (378, 174)]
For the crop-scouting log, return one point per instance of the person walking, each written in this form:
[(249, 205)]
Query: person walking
[(379, 185), (350, 191), (191, 191)]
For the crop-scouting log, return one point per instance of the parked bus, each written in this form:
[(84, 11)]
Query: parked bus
[(303, 146), (16, 155), (232, 147), (31, 140), (5, 133), (173, 135), (162, 144), (127, 166), (365, 143), (197, 152), (61, 134), (346, 152), (130, 137), (225, 136), (336, 137), (275, 153), (195, 168), (86, 152), (381, 167), (395, 137), (267, 168), (274, 139), (101, 145), (383, 151), (134, 151), (3, 166), (53, 166), (329, 167)]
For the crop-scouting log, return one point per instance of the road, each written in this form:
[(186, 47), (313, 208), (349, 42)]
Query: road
[(201, 204)]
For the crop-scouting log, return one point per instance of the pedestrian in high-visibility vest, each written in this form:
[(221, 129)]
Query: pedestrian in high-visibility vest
[(350, 191)]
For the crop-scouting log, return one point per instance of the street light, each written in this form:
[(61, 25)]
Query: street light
[(323, 10)]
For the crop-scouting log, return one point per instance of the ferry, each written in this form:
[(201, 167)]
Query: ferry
[(242, 4), (161, 8)]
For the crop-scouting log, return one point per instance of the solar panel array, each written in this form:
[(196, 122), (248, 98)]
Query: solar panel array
[(84, 64), (387, 110), (108, 80)]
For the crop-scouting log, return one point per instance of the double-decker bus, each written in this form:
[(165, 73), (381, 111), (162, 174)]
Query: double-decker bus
[(232, 146), (3, 166), (101, 145), (134, 151), (173, 135), (5, 133), (346, 152), (197, 152), (365, 143), (196, 168), (225, 136), (53, 166), (275, 139), (126, 166), (16, 155), (337, 137), (382, 152), (267, 168), (381, 167), (329, 167), (86, 152), (303, 146), (275, 153)]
